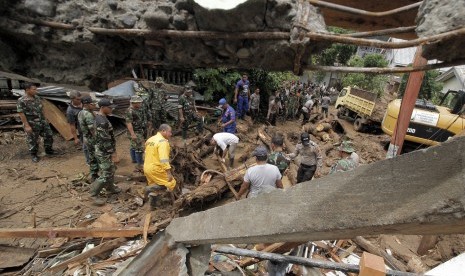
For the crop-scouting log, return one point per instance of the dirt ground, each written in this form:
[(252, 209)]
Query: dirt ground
[(53, 192)]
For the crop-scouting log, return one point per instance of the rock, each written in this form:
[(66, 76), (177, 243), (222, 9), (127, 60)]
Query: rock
[(129, 20), (280, 14), (179, 22), (41, 7), (113, 4), (243, 53), (166, 9), (157, 20), (435, 17), (184, 5)]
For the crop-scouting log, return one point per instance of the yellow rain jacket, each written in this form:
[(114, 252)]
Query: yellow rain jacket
[(157, 161)]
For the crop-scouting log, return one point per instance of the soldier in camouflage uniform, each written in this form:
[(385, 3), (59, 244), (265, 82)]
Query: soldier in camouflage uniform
[(292, 105), (29, 108), (188, 112), (86, 118), (105, 147), (349, 159), (142, 91), (277, 156), (157, 100), (136, 122)]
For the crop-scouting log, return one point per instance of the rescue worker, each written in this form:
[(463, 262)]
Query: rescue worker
[(136, 122), (311, 159), (188, 112), (261, 178), (31, 113), (306, 110), (223, 141), (105, 148), (273, 108), (325, 102), (157, 100), (86, 118), (228, 117), (242, 95), (255, 104), (157, 168), (142, 91), (277, 157), (74, 108), (349, 159)]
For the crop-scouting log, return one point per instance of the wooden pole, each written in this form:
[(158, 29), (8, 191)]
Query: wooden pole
[(70, 232), (301, 261), (406, 108)]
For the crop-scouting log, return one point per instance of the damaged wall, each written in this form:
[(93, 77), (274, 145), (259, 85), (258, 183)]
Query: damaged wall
[(80, 57)]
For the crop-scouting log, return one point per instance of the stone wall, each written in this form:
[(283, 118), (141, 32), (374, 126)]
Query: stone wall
[(78, 56)]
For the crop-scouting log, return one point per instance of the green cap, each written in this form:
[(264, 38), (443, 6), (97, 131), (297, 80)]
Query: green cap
[(346, 146)]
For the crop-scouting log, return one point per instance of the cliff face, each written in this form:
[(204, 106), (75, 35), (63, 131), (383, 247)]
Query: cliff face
[(52, 40)]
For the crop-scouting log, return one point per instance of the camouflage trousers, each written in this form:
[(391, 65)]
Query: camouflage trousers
[(190, 118), (138, 143), (39, 128), (158, 117), (93, 165), (107, 173)]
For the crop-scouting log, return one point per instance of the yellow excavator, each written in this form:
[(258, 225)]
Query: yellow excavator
[(430, 124)]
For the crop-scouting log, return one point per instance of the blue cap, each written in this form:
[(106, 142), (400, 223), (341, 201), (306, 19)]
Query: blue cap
[(222, 101)]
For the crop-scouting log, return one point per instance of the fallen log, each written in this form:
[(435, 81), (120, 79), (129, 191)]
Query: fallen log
[(323, 127), (109, 245), (239, 172), (264, 137)]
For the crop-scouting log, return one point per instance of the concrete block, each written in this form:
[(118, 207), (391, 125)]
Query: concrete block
[(372, 265)]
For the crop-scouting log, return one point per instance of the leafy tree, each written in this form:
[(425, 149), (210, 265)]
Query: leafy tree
[(337, 53), (371, 82), (430, 88), (216, 83)]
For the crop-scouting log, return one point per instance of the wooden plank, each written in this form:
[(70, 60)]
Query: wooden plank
[(11, 256), (11, 127), (70, 232), (109, 245), (146, 226), (280, 248), (57, 119), (390, 260)]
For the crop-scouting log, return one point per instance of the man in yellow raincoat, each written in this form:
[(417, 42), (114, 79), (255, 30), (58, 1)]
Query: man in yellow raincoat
[(157, 168)]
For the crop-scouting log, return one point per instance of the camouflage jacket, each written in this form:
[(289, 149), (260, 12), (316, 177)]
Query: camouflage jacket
[(138, 118), (105, 142), (157, 99), (343, 165), (86, 120), (31, 107), (280, 160), (187, 105)]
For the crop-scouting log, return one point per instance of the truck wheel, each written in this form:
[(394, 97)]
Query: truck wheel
[(340, 112), (358, 125)]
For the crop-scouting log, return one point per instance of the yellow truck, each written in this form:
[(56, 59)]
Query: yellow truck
[(362, 106), (430, 124)]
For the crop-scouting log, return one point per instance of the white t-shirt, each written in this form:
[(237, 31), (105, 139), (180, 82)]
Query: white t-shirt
[(262, 179), (224, 139)]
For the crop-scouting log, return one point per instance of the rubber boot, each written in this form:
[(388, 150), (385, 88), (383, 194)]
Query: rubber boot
[(95, 188), (132, 152), (113, 189)]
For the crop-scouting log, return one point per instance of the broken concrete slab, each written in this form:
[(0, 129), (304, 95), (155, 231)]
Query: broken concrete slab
[(160, 257), (417, 193)]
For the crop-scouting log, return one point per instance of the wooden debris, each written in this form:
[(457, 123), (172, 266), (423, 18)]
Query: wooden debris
[(280, 248), (109, 245), (323, 127), (427, 242), (264, 137), (70, 232), (11, 256), (239, 172), (56, 117), (146, 226), (390, 260)]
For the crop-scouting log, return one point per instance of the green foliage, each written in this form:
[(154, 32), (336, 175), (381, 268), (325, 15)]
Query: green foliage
[(216, 83), (430, 88), (337, 53), (371, 82)]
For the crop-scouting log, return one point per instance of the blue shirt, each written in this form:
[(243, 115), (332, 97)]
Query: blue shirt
[(229, 114), (243, 87)]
